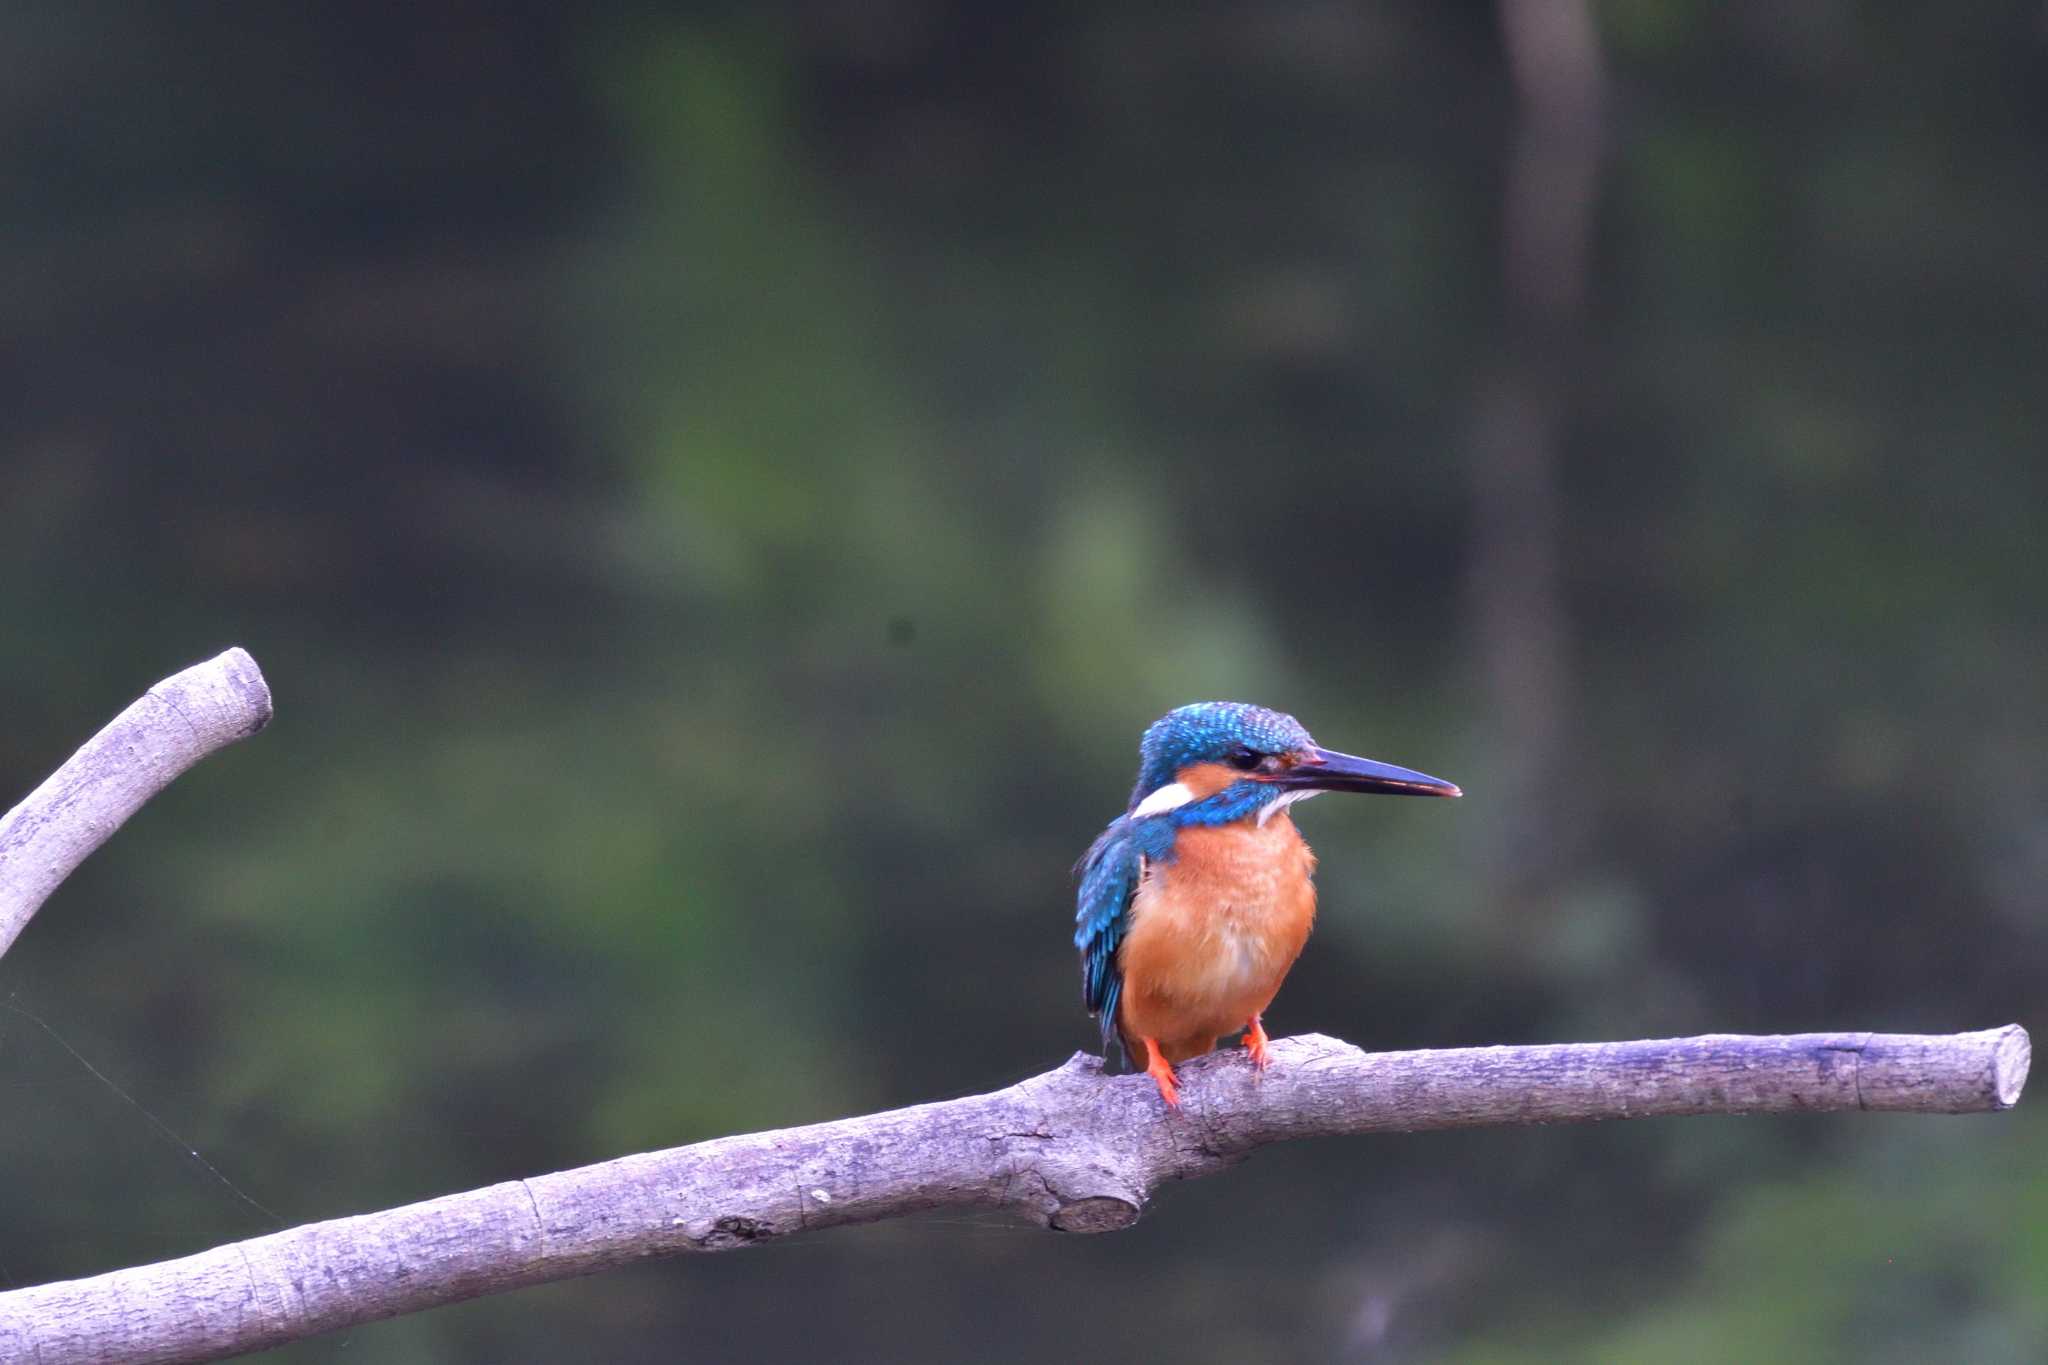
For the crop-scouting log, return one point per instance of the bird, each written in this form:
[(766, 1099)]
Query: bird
[(1195, 902)]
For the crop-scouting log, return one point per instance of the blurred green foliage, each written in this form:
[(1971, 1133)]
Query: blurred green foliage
[(718, 493)]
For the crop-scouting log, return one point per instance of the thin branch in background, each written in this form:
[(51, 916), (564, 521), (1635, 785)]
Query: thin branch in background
[(181, 720)]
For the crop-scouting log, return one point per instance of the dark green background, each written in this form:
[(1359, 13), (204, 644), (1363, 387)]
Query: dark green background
[(717, 492)]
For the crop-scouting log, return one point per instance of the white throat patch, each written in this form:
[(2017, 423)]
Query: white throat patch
[(1283, 801), (1165, 799)]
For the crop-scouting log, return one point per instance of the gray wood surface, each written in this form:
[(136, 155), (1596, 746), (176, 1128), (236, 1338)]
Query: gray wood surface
[(140, 752), (1072, 1149)]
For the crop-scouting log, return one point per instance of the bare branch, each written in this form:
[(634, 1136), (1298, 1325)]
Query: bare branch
[(140, 752), (1071, 1149)]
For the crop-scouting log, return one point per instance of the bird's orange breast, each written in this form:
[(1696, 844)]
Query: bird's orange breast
[(1213, 933)]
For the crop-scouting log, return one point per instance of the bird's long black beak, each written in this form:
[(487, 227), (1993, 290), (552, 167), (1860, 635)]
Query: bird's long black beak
[(1328, 770)]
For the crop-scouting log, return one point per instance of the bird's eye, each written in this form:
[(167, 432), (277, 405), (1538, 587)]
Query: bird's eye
[(1244, 760)]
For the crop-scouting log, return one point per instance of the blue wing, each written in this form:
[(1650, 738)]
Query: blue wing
[(1109, 878)]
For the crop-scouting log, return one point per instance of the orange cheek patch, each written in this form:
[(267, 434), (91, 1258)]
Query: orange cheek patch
[(1206, 779)]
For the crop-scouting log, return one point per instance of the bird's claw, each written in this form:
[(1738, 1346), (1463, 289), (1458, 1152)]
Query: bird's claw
[(1161, 1072), (1255, 1043), (1169, 1089)]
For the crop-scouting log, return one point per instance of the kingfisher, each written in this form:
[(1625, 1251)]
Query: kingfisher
[(1196, 900)]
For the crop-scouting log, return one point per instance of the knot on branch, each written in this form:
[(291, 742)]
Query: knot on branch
[(723, 1234), (1081, 1183), (1096, 1213)]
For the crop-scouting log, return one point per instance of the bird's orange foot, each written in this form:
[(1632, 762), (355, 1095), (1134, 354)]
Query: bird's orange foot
[(1161, 1072), (1255, 1041)]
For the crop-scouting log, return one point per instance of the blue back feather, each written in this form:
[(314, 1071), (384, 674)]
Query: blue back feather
[(1109, 878)]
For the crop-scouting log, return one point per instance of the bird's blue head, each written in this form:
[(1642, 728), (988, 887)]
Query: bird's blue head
[(1218, 761)]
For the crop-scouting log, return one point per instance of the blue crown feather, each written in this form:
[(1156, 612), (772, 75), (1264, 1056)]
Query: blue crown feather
[(1209, 732)]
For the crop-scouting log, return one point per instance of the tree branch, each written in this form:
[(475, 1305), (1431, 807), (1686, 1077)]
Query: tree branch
[(140, 752), (1072, 1149)]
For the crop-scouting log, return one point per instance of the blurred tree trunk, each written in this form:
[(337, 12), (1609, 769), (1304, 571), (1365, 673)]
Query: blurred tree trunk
[(1520, 619)]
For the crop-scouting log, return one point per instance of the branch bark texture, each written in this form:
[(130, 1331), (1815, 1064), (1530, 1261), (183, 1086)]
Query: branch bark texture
[(140, 752), (1073, 1150)]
